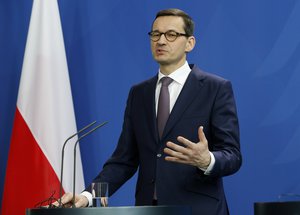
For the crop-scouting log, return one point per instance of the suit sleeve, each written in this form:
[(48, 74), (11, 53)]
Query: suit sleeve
[(225, 132)]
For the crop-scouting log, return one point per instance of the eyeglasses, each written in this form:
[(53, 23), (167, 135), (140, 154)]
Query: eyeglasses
[(170, 35)]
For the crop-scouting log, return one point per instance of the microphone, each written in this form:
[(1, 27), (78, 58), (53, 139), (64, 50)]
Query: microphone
[(63, 154), (74, 166)]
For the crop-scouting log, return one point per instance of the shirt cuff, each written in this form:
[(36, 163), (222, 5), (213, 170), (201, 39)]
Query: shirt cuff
[(89, 196), (208, 170)]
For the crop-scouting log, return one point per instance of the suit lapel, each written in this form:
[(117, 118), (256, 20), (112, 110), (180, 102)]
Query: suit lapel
[(185, 98), (149, 101)]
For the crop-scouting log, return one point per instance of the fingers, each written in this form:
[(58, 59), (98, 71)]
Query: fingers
[(175, 154), (177, 148), (177, 160), (66, 199), (104, 201), (81, 201), (189, 152), (56, 204), (189, 144), (185, 141)]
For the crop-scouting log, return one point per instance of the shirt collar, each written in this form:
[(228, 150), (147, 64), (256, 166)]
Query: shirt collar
[(179, 75)]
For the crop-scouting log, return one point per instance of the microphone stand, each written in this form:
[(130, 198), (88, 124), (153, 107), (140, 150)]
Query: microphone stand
[(74, 166), (62, 158)]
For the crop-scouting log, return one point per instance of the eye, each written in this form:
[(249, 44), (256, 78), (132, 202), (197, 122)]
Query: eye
[(171, 34), (155, 34)]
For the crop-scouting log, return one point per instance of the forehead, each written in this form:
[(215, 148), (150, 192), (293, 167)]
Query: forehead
[(165, 23)]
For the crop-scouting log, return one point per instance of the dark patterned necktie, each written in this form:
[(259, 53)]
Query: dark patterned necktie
[(163, 109)]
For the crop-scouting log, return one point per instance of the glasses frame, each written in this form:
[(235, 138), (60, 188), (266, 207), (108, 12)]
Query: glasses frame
[(165, 34)]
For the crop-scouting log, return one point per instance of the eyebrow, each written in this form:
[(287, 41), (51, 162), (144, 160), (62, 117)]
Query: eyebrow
[(166, 30)]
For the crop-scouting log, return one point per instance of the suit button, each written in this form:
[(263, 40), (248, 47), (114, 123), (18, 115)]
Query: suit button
[(158, 155)]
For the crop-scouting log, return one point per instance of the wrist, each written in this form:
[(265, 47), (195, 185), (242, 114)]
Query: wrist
[(207, 160)]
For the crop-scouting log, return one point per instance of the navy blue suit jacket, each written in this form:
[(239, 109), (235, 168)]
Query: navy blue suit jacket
[(205, 100)]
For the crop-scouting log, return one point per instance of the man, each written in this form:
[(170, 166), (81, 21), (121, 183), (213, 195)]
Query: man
[(183, 156)]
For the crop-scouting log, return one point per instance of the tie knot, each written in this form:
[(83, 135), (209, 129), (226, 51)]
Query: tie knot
[(166, 81)]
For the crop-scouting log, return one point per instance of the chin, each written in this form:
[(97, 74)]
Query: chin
[(161, 61)]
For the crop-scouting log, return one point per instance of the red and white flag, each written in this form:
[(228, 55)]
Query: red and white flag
[(44, 118)]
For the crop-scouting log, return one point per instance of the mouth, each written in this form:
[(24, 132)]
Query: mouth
[(160, 51)]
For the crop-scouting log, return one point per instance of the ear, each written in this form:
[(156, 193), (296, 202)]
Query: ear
[(190, 44)]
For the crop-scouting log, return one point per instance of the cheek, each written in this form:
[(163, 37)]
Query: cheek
[(178, 50), (152, 47)]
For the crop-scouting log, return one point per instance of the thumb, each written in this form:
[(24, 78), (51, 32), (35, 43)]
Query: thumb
[(201, 135)]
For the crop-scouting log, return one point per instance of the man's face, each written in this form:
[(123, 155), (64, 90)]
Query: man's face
[(168, 53)]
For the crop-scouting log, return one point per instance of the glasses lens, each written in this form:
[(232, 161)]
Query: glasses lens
[(171, 35), (154, 36)]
